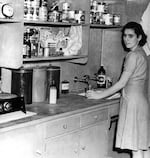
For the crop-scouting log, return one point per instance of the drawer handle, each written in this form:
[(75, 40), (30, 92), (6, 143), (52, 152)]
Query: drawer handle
[(83, 148), (65, 126), (76, 151), (95, 117), (38, 152)]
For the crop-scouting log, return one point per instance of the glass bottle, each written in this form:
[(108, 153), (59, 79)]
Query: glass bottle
[(52, 93), (101, 77)]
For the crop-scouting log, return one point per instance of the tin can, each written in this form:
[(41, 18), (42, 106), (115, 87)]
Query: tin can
[(116, 19), (108, 19), (65, 87), (53, 16), (35, 16), (64, 16), (66, 6), (28, 12), (43, 12), (71, 14), (80, 16), (35, 3), (100, 7)]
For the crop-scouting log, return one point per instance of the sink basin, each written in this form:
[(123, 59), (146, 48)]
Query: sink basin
[(114, 96)]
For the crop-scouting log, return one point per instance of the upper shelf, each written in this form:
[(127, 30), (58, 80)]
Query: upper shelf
[(46, 23), (104, 26), (8, 21)]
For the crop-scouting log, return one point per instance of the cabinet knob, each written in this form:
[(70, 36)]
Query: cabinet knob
[(65, 126), (38, 152), (76, 151), (95, 117), (83, 148)]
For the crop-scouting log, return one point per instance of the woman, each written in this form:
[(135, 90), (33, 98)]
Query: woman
[(133, 126)]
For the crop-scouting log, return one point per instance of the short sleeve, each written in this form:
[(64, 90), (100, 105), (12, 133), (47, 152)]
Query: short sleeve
[(130, 63)]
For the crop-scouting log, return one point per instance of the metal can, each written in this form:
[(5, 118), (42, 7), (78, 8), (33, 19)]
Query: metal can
[(43, 12), (28, 12), (53, 16), (35, 15), (71, 14), (65, 87), (64, 16), (66, 6), (108, 19), (116, 19), (80, 16), (100, 7)]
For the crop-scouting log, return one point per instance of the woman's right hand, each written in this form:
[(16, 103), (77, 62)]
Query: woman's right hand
[(91, 94)]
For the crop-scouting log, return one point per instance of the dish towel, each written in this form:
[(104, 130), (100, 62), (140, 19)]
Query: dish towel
[(145, 22)]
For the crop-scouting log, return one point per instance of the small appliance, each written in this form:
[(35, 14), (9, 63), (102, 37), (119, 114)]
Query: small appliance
[(11, 103)]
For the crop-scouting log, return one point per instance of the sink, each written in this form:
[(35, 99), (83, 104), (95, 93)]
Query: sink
[(114, 96)]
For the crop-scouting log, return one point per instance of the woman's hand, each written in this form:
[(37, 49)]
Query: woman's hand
[(91, 94)]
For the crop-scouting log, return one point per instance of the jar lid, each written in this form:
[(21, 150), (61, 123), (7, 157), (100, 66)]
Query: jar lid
[(53, 68)]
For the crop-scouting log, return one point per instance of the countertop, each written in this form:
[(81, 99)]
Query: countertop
[(66, 105)]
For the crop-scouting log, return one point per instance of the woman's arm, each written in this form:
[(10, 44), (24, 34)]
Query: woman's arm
[(130, 66)]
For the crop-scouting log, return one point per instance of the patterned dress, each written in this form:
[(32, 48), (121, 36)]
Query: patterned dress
[(134, 118)]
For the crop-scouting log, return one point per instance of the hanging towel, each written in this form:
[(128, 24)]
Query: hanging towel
[(145, 22)]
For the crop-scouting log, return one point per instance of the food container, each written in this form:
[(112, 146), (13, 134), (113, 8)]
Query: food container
[(53, 76), (22, 84), (80, 16), (39, 84)]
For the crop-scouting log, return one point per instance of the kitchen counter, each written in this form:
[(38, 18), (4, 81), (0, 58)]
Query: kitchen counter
[(67, 127), (66, 105)]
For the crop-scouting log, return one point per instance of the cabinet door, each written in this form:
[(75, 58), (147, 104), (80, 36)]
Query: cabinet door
[(93, 141), (64, 146), (22, 143), (11, 36)]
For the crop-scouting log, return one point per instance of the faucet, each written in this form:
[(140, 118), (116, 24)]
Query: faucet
[(85, 79)]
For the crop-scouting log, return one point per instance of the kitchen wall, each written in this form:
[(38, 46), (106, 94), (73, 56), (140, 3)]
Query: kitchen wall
[(99, 54)]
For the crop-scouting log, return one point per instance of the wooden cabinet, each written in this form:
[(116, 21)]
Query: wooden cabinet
[(81, 136), (11, 35), (11, 31), (94, 141), (22, 142), (64, 146)]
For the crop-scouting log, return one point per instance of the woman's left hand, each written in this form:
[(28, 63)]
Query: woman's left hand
[(91, 94)]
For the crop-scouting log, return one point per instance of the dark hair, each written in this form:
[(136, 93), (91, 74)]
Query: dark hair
[(138, 31)]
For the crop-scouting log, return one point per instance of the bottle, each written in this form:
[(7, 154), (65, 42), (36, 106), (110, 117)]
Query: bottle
[(28, 44), (101, 77), (52, 93)]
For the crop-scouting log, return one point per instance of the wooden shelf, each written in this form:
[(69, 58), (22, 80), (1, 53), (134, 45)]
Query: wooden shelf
[(52, 23), (104, 26), (42, 59), (9, 21)]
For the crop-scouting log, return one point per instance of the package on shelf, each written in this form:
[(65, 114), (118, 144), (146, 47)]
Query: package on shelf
[(104, 13), (74, 41), (31, 42)]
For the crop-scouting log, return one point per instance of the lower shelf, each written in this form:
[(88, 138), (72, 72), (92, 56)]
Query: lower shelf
[(41, 59)]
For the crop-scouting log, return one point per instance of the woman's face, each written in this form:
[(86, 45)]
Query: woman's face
[(130, 38)]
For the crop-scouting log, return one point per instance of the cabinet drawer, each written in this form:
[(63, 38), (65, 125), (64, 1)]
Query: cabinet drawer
[(61, 126), (94, 117), (114, 110)]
